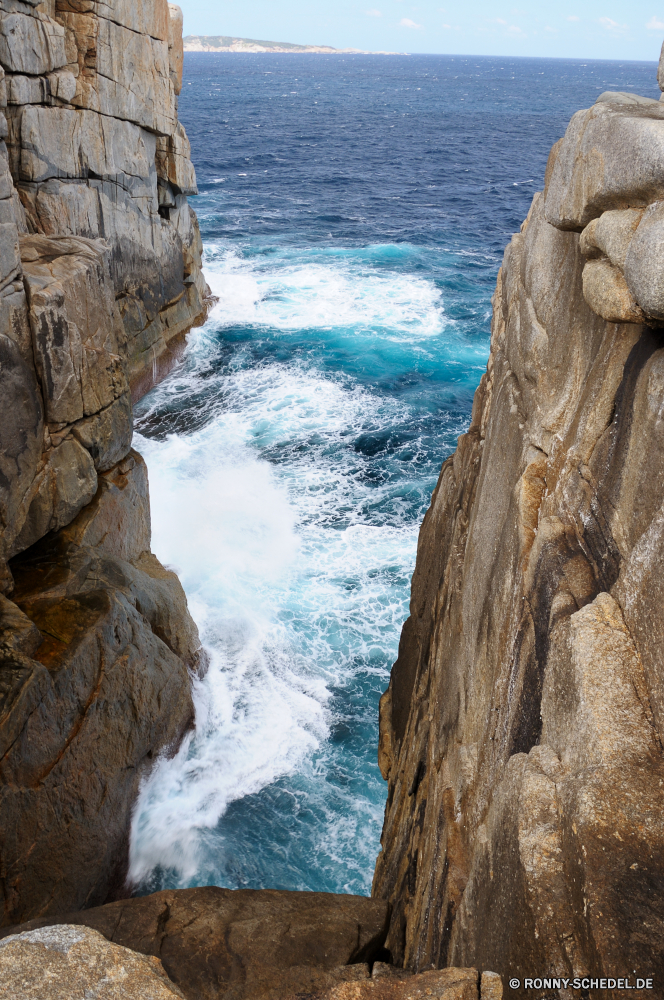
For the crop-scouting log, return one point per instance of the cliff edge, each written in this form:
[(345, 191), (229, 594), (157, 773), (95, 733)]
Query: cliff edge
[(521, 734), (100, 274)]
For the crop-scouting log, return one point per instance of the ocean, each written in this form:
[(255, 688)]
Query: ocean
[(354, 211)]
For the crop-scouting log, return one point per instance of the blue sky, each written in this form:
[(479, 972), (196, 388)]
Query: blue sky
[(585, 29)]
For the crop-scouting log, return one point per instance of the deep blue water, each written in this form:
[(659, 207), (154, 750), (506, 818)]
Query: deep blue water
[(354, 212)]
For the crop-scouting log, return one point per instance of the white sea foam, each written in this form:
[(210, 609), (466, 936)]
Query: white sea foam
[(323, 290), (283, 600), (296, 570)]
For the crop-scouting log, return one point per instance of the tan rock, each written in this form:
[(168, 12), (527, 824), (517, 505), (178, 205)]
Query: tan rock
[(610, 235), (644, 261), (128, 75), (84, 712), (447, 984), (58, 963), (249, 944), (524, 819), (146, 17), (594, 170), (33, 44), (175, 47), (174, 162), (78, 336), (491, 986), (66, 482), (59, 142), (606, 292)]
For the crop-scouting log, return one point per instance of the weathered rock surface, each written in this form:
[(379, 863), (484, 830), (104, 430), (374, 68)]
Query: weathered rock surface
[(95, 150), (99, 278), (445, 984), (60, 963), (95, 647), (522, 732), (246, 944)]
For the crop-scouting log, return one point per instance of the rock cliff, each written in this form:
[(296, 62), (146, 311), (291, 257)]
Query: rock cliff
[(521, 733), (100, 276)]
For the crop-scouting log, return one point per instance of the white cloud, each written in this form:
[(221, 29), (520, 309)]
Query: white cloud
[(448, 26), (654, 24), (573, 17), (613, 26), (497, 20), (406, 22), (553, 31), (515, 30), (373, 12)]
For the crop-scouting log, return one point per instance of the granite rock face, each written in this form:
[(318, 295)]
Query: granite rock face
[(89, 93), (251, 945), (96, 646), (99, 271), (59, 963), (244, 944), (522, 731)]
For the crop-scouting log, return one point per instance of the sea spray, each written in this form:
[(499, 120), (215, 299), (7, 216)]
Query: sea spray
[(353, 240)]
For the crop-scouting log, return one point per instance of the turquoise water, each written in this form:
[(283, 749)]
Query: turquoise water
[(354, 212)]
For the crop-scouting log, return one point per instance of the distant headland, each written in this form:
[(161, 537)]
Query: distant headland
[(228, 43)]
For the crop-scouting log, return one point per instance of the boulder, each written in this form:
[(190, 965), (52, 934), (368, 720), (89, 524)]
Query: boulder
[(444, 984), (644, 262), (60, 963), (595, 166), (606, 292), (247, 944)]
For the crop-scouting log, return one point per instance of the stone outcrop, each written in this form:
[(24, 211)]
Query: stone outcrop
[(95, 150), (99, 272), (521, 735), (258, 945), (59, 963), (245, 943)]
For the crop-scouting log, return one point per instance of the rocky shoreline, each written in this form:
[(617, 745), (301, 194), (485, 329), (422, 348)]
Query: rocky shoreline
[(521, 735)]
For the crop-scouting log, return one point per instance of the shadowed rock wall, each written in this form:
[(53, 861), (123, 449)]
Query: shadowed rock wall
[(521, 734), (99, 271)]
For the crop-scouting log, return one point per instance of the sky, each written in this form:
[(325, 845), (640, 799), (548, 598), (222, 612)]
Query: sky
[(573, 29)]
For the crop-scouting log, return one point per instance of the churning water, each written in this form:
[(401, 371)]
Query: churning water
[(354, 210)]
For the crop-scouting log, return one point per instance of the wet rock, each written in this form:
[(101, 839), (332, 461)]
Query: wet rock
[(59, 963)]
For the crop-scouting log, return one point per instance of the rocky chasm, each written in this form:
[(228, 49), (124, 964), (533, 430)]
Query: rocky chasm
[(521, 732)]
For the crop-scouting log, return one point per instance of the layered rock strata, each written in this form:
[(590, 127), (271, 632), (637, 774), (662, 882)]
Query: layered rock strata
[(521, 734), (94, 149), (99, 270)]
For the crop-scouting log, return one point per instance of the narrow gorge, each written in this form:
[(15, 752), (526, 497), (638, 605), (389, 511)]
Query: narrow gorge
[(521, 733)]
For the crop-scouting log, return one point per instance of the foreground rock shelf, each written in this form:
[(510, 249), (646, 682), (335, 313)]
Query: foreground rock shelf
[(209, 943)]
